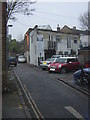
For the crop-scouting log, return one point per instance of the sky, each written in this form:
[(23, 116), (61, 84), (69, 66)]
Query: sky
[(49, 13)]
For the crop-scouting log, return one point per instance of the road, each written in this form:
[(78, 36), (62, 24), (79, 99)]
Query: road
[(51, 98)]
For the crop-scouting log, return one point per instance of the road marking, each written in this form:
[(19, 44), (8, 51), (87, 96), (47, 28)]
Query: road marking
[(33, 102), (27, 97), (24, 87), (74, 112)]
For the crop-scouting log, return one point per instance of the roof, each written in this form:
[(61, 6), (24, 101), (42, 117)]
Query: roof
[(65, 30), (73, 30), (45, 27)]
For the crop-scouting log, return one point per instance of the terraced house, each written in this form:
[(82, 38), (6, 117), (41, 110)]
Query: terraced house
[(42, 42)]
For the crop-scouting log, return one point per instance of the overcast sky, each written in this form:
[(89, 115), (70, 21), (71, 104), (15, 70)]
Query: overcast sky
[(49, 13)]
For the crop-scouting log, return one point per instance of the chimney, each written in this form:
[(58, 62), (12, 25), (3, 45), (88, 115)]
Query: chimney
[(74, 27), (36, 26), (58, 28)]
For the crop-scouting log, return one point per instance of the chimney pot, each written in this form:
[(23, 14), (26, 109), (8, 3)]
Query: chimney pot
[(58, 28), (74, 27)]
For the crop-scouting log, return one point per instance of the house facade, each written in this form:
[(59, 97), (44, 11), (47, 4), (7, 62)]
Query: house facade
[(43, 43)]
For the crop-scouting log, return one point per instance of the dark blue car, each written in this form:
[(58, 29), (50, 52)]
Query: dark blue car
[(82, 75), (12, 61)]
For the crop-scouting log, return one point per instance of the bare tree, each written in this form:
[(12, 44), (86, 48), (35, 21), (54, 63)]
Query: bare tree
[(84, 21), (19, 6)]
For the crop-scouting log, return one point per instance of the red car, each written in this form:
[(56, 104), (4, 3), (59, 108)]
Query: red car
[(87, 64), (64, 64)]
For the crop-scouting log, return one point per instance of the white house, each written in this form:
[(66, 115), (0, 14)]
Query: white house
[(36, 47), (44, 42)]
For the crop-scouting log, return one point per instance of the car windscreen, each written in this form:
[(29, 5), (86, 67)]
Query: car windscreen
[(21, 57), (12, 58), (53, 59), (55, 56), (49, 59), (61, 60)]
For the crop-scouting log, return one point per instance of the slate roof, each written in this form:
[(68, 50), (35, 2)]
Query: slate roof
[(66, 29)]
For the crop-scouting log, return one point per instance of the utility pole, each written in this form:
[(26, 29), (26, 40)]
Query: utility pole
[(4, 52), (0, 60)]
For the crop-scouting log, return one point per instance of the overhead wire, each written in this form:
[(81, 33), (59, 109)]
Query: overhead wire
[(47, 18), (59, 15)]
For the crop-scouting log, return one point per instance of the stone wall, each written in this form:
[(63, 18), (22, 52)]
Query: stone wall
[(83, 56)]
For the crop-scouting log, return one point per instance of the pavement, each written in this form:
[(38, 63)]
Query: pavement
[(13, 105)]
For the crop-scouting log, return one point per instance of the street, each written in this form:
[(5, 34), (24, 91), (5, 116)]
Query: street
[(50, 97)]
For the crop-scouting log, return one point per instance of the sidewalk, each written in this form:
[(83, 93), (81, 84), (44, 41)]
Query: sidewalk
[(12, 105)]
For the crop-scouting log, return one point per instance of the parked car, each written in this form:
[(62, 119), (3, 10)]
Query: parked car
[(87, 64), (64, 64), (44, 64), (21, 59), (56, 56), (12, 61), (82, 76)]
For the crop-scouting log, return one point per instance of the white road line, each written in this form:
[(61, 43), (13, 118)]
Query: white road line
[(74, 112)]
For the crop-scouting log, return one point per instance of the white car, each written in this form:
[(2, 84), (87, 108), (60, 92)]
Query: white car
[(56, 56), (44, 64), (21, 59)]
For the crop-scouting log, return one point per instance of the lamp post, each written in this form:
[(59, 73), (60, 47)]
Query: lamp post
[(8, 39)]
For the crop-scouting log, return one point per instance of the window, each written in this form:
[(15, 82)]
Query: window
[(75, 40), (72, 60), (51, 43), (35, 49), (69, 42), (58, 38), (66, 53), (31, 39), (54, 44)]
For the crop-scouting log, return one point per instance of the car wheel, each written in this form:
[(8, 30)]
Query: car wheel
[(43, 68), (84, 77), (63, 70), (49, 71)]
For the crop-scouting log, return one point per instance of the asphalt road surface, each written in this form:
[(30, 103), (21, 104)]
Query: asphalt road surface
[(52, 98)]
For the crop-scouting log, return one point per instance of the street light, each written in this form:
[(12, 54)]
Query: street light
[(8, 29), (10, 25), (7, 41)]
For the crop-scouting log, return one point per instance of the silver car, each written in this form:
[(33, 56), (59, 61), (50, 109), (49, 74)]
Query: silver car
[(21, 59), (44, 64)]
